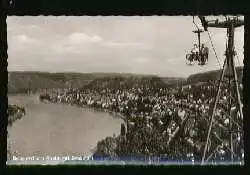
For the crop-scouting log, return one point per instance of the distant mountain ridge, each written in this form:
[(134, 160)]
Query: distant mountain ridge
[(126, 82), (23, 81), (212, 75), (20, 82)]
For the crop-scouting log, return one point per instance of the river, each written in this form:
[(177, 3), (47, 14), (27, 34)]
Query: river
[(58, 129)]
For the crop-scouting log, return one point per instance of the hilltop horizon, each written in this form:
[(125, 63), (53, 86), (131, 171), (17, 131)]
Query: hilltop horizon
[(117, 73)]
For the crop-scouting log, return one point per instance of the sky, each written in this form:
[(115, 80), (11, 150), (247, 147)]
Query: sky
[(136, 44)]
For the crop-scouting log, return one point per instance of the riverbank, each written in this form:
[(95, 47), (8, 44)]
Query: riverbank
[(15, 113), (87, 107)]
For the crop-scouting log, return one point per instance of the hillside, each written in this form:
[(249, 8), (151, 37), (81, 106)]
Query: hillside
[(20, 82), (119, 82), (211, 75), (174, 80)]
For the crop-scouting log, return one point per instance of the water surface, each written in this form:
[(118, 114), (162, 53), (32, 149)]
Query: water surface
[(58, 129)]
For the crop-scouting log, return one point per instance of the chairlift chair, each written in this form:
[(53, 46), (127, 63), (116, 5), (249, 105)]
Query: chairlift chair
[(190, 57)]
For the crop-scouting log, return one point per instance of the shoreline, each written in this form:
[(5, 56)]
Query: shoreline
[(112, 113), (12, 119), (18, 114)]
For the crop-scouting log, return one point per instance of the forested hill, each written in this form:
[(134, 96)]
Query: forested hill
[(212, 75), (22, 81), (126, 82)]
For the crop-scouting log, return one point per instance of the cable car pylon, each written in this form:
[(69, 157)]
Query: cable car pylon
[(228, 71)]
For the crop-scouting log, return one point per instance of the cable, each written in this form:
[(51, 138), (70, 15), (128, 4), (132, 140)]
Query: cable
[(213, 48), (195, 24)]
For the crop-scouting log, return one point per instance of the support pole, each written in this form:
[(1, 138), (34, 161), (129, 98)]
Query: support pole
[(213, 112), (198, 31), (230, 121), (236, 86), (199, 38), (237, 89), (235, 78), (229, 65), (230, 57)]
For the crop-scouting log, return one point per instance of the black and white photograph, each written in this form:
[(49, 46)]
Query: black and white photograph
[(125, 89)]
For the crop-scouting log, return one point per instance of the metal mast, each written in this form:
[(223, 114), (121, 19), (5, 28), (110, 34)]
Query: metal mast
[(228, 70)]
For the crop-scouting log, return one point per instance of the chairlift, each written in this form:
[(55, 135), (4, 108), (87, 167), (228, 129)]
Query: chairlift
[(202, 56)]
